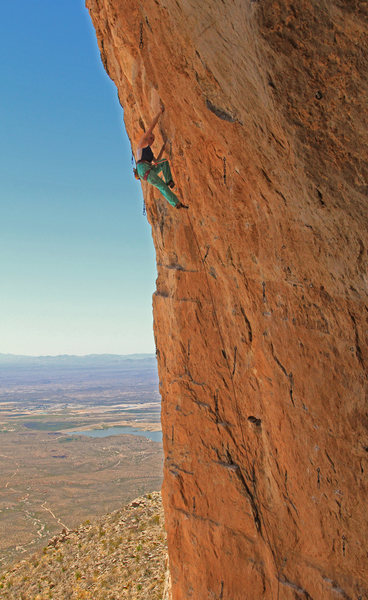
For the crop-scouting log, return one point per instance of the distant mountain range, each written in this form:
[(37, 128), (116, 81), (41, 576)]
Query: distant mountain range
[(63, 358), (41, 369)]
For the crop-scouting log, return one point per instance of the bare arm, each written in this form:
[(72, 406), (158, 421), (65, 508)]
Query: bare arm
[(154, 122), (161, 151), (143, 142)]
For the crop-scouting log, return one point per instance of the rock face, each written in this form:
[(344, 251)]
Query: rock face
[(260, 312)]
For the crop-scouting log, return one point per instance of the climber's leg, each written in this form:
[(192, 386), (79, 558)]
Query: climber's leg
[(155, 180), (142, 168), (164, 166)]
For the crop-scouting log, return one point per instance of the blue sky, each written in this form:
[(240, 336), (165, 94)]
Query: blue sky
[(77, 265)]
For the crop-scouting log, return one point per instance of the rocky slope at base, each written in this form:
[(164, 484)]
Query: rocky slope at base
[(121, 556)]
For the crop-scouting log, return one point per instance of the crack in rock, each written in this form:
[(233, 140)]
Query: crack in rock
[(221, 113)]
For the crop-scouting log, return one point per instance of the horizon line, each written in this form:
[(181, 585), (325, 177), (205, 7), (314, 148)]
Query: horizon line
[(10, 354)]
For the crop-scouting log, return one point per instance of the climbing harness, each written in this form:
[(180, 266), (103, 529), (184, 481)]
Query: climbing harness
[(145, 176), (135, 173)]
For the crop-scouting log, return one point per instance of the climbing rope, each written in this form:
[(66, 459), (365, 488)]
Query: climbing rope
[(141, 36)]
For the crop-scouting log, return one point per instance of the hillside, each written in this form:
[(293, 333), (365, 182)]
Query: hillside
[(260, 312), (120, 556)]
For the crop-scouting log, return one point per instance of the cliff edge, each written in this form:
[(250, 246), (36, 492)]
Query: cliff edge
[(260, 313)]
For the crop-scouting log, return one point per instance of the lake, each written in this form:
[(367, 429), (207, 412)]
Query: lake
[(155, 436)]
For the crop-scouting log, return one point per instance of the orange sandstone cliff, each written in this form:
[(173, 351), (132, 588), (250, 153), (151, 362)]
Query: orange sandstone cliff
[(260, 313)]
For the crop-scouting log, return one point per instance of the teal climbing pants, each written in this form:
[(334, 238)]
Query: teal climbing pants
[(154, 179)]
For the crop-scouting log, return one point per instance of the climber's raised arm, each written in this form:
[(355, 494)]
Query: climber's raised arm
[(155, 120), (161, 151), (148, 137)]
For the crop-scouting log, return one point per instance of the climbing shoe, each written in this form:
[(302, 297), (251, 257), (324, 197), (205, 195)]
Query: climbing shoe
[(181, 205), (171, 184)]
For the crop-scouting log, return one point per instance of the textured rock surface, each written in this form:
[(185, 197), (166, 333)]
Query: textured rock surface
[(260, 312)]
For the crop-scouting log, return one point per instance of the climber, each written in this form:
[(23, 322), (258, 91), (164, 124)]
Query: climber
[(148, 167)]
